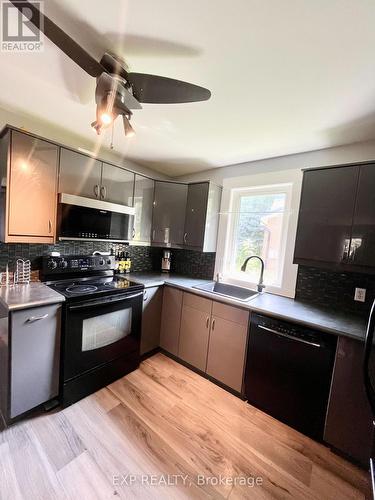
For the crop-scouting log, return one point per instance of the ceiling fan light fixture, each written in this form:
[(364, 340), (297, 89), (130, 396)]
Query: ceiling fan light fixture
[(106, 118), (97, 127), (128, 129)]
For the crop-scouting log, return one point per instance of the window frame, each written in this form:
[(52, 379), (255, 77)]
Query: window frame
[(232, 224)]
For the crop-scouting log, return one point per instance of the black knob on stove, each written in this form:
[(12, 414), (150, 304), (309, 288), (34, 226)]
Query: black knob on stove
[(63, 264), (51, 264)]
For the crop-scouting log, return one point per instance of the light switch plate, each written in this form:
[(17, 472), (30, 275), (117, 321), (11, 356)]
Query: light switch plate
[(360, 294)]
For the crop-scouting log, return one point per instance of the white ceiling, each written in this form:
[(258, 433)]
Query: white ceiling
[(285, 77)]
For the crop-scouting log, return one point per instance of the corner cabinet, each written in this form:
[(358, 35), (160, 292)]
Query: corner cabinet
[(336, 225), (186, 215), (168, 216), (202, 216), (29, 170)]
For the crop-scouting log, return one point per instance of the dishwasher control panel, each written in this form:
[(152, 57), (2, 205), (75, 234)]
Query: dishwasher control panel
[(292, 330)]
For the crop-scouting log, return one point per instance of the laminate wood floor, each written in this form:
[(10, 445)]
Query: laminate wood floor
[(165, 432)]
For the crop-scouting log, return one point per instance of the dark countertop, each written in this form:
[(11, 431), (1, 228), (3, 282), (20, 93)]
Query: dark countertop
[(16, 297), (336, 322)]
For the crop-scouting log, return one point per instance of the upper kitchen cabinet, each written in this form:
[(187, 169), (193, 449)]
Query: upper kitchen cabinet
[(202, 216), (79, 174), (29, 169), (168, 219), (143, 200), (117, 185), (362, 248), (326, 216)]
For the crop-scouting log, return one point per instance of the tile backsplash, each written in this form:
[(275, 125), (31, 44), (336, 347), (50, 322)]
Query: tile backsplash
[(335, 290), (192, 263)]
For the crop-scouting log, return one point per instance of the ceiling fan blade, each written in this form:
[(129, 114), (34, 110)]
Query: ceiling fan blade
[(59, 38), (162, 90)]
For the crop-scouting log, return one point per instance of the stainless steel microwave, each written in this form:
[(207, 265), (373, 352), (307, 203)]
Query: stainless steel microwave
[(82, 218)]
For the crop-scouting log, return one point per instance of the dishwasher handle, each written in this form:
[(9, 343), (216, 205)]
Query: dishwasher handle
[(290, 337)]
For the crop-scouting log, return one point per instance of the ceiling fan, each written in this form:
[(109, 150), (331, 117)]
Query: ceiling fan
[(117, 90)]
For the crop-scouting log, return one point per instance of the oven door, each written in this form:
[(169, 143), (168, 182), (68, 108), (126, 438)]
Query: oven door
[(100, 330)]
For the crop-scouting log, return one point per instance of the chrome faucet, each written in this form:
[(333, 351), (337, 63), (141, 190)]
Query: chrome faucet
[(261, 285)]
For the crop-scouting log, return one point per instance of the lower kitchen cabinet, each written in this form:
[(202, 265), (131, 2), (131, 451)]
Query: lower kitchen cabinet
[(209, 335), (349, 421), (227, 347), (171, 319), (195, 330), (30, 353), (152, 305)]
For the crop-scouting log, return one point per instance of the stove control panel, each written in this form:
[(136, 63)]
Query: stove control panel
[(77, 263)]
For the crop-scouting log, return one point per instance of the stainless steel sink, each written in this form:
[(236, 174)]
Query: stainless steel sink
[(231, 291)]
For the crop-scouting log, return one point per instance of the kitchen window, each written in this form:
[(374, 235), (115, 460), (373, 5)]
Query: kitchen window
[(257, 225)]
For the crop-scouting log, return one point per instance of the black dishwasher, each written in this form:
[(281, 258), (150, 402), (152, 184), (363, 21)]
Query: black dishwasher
[(288, 372)]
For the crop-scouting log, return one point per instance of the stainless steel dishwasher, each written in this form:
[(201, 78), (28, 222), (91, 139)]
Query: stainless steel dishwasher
[(288, 372)]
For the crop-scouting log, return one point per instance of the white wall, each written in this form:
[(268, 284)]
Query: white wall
[(55, 133), (360, 151)]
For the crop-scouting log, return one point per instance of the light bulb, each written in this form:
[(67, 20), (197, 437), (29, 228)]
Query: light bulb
[(105, 118)]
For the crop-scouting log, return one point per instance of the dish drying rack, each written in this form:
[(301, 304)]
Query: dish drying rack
[(22, 273)]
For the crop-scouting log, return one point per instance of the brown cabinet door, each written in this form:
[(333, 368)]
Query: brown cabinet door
[(326, 215), (349, 420), (362, 249), (151, 317), (195, 330), (32, 187), (171, 319), (194, 335), (226, 351)]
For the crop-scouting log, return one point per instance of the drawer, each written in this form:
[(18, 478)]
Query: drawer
[(230, 313), (197, 302)]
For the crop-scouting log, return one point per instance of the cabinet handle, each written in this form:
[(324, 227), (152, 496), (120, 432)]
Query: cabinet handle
[(207, 322), (36, 318), (96, 190), (49, 226), (103, 192), (145, 296), (133, 233), (185, 237), (153, 234), (213, 324)]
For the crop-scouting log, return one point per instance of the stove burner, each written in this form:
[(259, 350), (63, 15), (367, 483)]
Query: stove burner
[(81, 288)]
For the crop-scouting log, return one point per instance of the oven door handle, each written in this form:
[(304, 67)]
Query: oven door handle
[(104, 302)]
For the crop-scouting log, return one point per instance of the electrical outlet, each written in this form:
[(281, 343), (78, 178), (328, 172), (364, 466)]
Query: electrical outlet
[(360, 294)]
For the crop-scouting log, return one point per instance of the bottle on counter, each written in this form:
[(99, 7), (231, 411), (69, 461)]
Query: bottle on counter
[(127, 263)]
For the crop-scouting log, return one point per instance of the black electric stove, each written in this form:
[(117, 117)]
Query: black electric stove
[(101, 326)]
